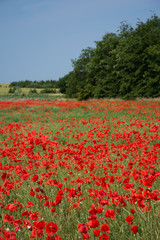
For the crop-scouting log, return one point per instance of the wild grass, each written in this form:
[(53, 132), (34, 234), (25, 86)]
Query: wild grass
[(25, 93), (93, 156)]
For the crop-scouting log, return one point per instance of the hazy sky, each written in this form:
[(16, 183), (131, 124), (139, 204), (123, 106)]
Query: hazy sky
[(38, 38)]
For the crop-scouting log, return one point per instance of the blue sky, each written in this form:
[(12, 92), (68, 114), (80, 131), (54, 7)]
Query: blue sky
[(38, 38)]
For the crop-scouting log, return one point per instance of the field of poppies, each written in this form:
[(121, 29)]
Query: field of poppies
[(79, 170)]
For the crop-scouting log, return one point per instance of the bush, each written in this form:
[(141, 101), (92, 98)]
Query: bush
[(33, 91), (15, 90), (48, 90), (12, 90), (86, 93)]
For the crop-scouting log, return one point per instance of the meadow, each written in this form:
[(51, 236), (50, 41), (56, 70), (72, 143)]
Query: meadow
[(4, 89), (79, 170), (26, 93)]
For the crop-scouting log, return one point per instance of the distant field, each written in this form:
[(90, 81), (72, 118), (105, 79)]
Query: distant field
[(4, 89)]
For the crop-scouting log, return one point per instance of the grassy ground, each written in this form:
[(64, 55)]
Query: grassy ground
[(4, 89), (25, 93), (80, 170)]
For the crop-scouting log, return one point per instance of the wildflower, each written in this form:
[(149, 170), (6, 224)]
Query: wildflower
[(105, 228), (110, 214), (51, 228), (134, 229), (93, 223), (129, 219), (29, 204), (82, 228), (132, 211), (34, 178), (96, 232), (85, 236), (104, 236)]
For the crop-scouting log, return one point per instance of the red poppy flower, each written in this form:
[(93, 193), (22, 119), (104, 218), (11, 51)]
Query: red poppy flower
[(92, 217), (52, 210), (134, 229), (99, 209), (129, 219), (32, 193), (34, 178), (26, 176), (105, 228), (72, 193), (9, 235), (132, 211), (93, 223), (49, 238), (85, 236), (57, 238), (11, 207), (51, 228), (36, 233), (40, 225), (96, 232), (104, 236), (29, 204), (58, 199), (8, 218), (26, 213), (92, 211), (82, 228), (110, 214), (33, 216), (104, 202)]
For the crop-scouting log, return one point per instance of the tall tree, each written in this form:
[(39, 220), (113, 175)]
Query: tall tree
[(101, 65), (133, 58), (77, 78)]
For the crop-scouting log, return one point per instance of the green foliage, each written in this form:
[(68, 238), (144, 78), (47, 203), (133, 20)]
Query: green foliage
[(125, 65), (35, 84), (85, 93), (33, 91), (76, 80), (71, 85), (137, 60), (61, 84), (48, 90), (12, 90), (101, 73), (15, 91)]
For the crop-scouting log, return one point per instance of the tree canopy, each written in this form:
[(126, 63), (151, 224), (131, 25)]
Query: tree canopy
[(34, 84), (125, 65)]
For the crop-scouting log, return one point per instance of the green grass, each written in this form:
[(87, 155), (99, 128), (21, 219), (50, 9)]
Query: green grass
[(81, 141), (24, 93)]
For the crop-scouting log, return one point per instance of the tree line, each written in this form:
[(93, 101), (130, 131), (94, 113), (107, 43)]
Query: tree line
[(34, 84), (125, 65)]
